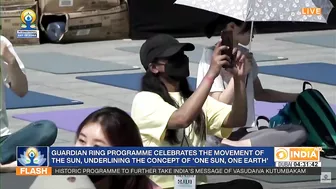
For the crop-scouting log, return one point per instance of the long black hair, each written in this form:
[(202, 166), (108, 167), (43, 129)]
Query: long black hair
[(120, 130), (152, 83)]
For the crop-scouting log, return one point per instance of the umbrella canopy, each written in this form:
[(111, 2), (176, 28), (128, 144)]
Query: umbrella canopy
[(266, 10)]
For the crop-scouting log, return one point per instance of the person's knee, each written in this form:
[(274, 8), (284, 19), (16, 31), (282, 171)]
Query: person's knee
[(47, 132), (298, 135), (301, 131), (212, 141)]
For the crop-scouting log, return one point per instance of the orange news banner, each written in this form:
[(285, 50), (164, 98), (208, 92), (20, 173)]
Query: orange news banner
[(33, 171), (297, 153)]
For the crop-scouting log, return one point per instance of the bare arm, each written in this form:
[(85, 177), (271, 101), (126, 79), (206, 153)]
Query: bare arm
[(16, 78), (192, 107), (227, 95), (10, 167), (238, 115), (269, 95)]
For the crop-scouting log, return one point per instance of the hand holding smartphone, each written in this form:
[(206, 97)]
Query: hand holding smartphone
[(227, 40)]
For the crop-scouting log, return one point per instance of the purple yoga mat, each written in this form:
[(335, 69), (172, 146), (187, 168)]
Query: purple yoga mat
[(271, 109), (70, 119), (65, 119), (267, 109)]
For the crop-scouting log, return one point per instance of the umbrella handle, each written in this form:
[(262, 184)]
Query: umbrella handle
[(251, 34)]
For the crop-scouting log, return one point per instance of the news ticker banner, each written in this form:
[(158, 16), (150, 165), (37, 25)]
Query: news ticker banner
[(50, 159), (186, 171)]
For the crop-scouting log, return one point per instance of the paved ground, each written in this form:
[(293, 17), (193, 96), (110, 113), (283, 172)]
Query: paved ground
[(95, 95)]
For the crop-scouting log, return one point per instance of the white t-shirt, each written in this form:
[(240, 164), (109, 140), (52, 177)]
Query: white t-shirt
[(4, 131), (224, 78)]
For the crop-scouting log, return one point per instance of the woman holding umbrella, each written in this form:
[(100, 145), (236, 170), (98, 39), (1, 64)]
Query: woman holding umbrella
[(223, 88)]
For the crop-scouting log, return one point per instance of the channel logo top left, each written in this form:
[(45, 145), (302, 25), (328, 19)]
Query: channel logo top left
[(32, 156), (28, 28), (28, 19)]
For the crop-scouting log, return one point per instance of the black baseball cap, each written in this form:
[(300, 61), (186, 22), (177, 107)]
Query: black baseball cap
[(161, 46)]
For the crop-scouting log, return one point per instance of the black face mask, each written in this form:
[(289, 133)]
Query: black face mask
[(177, 67)]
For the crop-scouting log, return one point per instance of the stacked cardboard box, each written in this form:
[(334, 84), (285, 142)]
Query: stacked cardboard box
[(87, 20), (10, 21), (69, 6)]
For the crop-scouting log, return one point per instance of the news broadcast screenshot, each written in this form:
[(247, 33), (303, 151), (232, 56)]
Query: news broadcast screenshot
[(185, 162), (170, 94)]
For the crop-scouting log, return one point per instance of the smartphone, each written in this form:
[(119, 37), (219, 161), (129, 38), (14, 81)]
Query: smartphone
[(227, 40)]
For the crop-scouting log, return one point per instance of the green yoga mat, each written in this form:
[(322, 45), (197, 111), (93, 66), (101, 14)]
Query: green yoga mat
[(328, 165), (322, 40), (196, 55), (58, 63)]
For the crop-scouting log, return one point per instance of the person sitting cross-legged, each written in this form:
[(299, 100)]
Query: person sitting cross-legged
[(40, 133)]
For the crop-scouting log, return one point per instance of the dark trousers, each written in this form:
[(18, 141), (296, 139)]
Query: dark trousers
[(40, 133), (234, 184)]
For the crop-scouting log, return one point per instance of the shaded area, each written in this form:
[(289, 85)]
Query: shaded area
[(148, 17)]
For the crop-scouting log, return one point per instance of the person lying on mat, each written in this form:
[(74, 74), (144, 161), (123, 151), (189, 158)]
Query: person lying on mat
[(108, 126), (223, 87), (168, 113), (42, 133)]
